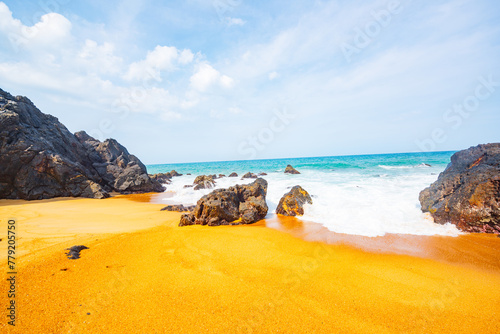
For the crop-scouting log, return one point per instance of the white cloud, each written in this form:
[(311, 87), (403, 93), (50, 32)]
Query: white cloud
[(162, 58), (49, 33), (207, 76), (99, 58)]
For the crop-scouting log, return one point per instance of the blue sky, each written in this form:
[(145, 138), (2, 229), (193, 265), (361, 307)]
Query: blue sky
[(208, 80)]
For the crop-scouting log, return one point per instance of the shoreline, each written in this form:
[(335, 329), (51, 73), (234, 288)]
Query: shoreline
[(243, 279)]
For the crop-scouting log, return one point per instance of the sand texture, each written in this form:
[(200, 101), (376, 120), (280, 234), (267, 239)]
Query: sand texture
[(143, 274)]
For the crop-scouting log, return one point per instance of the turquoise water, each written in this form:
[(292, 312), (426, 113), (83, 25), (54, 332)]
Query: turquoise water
[(366, 163), (368, 195)]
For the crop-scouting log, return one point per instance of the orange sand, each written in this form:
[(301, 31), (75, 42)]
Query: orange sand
[(142, 274)]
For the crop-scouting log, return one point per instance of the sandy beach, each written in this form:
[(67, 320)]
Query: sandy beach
[(143, 274)]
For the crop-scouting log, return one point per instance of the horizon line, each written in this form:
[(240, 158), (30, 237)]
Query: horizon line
[(323, 156)]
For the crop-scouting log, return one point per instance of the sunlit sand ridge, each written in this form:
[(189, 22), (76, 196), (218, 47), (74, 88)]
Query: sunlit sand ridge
[(142, 274)]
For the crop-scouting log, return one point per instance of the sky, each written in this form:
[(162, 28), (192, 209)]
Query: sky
[(216, 80)]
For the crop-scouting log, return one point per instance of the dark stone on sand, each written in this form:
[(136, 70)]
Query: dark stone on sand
[(467, 193), (178, 208), (292, 203), (241, 204), (40, 158), (290, 170), (74, 252)]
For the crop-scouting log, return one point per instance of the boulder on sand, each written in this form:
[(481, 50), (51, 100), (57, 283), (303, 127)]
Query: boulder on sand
[(292, 203), (467, 193), (290, 170), (241, 204)]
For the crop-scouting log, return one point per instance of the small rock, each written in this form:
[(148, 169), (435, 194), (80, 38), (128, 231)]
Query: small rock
[(249, 176), (204, 182), (290, 170), (233, 175), (174, 173), (292, 203)]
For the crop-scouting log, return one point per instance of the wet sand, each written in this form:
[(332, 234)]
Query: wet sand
[(142, 274)]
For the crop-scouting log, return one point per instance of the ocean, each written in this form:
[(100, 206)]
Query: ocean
[(367, 195)]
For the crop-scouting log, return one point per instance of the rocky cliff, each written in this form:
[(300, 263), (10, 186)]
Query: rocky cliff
[(40, 158)]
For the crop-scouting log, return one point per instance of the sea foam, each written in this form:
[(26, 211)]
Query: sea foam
[(368, 202)]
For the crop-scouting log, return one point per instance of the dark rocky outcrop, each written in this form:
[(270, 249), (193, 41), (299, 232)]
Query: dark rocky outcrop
[(262, 174), (467, 193), (241, 204), (40, 158), (121, 171), (204, 182), (290, 170), (221, 176), (249, 176), (178, 208), (233, 175), (292, 203)]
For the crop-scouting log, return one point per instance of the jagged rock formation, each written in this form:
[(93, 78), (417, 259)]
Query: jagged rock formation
[(241, 204), (292, 203), (40, 158), (467, 193), (163, 178)]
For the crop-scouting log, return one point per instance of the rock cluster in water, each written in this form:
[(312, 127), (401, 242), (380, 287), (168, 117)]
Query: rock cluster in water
[(467, 193), (40, 158), (241, 204)]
